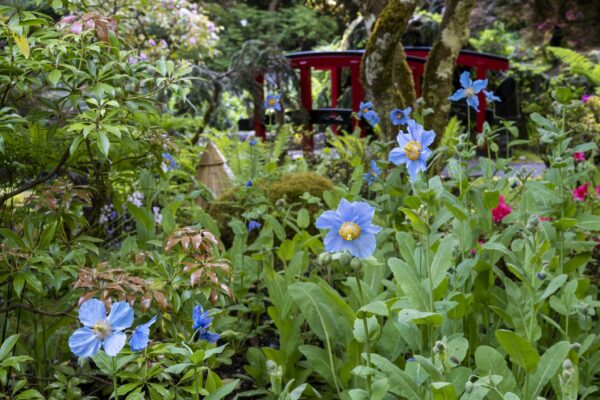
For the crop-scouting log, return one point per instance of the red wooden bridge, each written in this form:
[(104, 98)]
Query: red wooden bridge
[(334, 62)]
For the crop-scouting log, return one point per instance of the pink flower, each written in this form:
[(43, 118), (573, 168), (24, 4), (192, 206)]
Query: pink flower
[(151, 42), (544, 219), (585, 98), (579, 156), (480, 242), (501, 210), (598, 191), (76, 28), (580, 192), (192, 40)]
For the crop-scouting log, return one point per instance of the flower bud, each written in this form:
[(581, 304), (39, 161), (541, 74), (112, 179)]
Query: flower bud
[(576, 346), (454, 360), (469, 387), (356, 263), (533, 222), (271, 365), (460, 146), (567, 364), (541, 275), (345, 259), (440, 347), (324, 259)]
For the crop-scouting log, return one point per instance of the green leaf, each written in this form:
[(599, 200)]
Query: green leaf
[(7, 346), (318, 359), (54, 77), (400, 383), (103, 143), (359, 329), (519, 349), (223, 391), (408, 280), (376, 307), (420, 317), (303, 219), (588, 222), (22, 44), (415, 221), (490, 198), (549, 365), (489, 361), (442, 261), (443, 391), (564, 223)]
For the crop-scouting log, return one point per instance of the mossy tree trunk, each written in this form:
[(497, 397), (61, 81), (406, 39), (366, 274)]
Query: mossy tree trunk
[(439, 70), (386, 76)]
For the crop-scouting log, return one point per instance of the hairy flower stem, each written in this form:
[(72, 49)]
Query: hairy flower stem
[(366, 328), (196, 389), (115, 385)]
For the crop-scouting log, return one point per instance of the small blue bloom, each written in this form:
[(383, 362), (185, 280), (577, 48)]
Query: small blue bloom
[(490, 97), (252, 225), (413, 150), (372, 118), (365, 107), (253, 142), (99, 330), (400, 117), (248, 183), (139, 337), (350, 228), (172, 164), (469, 90), (202, 322), (272, 102), (373, 173)]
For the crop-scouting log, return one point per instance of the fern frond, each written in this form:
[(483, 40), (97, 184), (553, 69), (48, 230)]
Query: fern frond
[(578, 64)]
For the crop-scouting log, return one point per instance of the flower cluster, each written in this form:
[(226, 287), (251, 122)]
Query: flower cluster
[(168, 163), (366, 111), (136, 198), (107, 332), (373, 173), (202, 322)]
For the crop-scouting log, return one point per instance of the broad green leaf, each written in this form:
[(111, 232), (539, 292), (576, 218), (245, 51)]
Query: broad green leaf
[(443, 391), (223, 391), (442, 261), (303, 219), (400, 383), (377, 307), (54, 76), (549, 365), (408, 280), (490, 198), (420, 317), (103, 143), (519, 349), (319, 361), (7, 346), (489, 361), (22, 44)]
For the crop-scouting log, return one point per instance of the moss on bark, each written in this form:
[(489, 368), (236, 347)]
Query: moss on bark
[(386, 76), (437, 82)]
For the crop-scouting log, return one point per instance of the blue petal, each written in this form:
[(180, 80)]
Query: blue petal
[(277, 107), (84, 343), (345, 210), (465, 79), (201, 318), (91, 312), (413, 169), (473, 101), (121, 316), (425, 153), (403, 139), (398, 156), (427, 138), (333, 242), (363, 213), (415, 129), (328, 220), (370, 228), (479, 85), (139, 337), (458, 95), (209, 336), (114, 343), (363, 247)]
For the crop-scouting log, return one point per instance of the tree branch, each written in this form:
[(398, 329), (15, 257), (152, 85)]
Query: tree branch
[(38, 311), (35, 182)]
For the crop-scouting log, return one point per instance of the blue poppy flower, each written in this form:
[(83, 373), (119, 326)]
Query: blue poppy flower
[(373, 173), (350, 228), (140, 335), (365, 107), (372, 118), (172, 164), (252, 225), (272, 102), (413, 150), (99, 330), (248, 183), (400, 117), (253, 142), (469, 90), (202, 322), (490, 97)]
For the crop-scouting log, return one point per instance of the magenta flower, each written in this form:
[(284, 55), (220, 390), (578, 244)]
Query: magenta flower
[(501, 210), (580, 192), (598, 191), (579, 156), (76, 28), (585, 98)]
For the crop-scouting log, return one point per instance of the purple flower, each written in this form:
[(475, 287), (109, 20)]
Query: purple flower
[(248, 183)]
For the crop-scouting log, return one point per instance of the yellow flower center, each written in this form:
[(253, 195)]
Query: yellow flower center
[(470, 92), (365, 110), (102, 329), (271, 102), (413, 149), (349, 231)]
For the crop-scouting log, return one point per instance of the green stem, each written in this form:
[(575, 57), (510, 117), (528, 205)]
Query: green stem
[(115, 384), (366, 328), (197, 390)]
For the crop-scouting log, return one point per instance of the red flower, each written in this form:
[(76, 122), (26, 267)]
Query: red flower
[(579, 156), (501, 210), (544, 219), (580, 192)]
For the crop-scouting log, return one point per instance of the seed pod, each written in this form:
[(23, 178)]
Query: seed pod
[(325, 259), (345, 259), (356, 263)]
